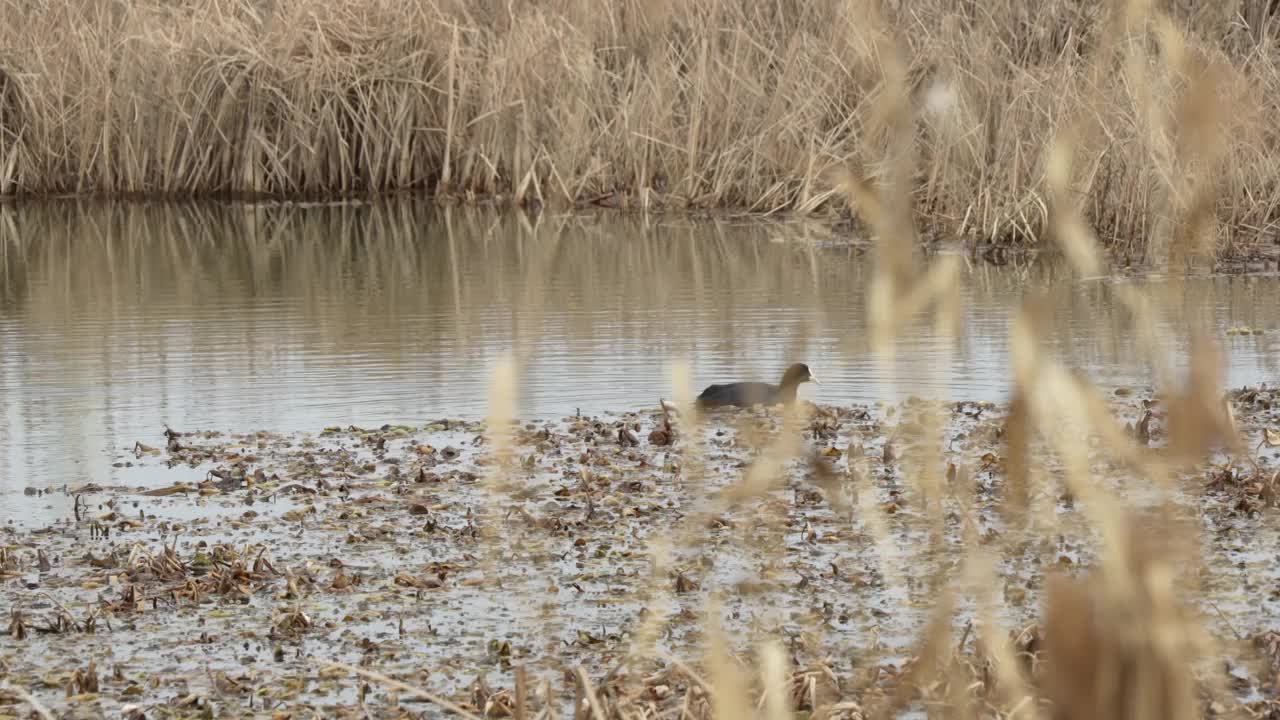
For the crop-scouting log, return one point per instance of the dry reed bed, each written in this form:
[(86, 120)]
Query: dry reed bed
[(649, 103)]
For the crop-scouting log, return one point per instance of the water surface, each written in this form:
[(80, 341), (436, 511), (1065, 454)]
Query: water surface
[(115, 320)]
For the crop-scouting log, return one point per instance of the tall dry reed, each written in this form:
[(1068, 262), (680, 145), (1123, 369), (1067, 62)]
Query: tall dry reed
[(645, 103)]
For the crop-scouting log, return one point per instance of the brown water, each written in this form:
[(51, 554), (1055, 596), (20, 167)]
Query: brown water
[(115, 320)]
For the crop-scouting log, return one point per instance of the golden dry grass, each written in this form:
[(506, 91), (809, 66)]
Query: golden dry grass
[(658, 104)]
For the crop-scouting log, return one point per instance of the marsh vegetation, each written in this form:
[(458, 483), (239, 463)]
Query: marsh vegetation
[(1070, 550), (661, 105)]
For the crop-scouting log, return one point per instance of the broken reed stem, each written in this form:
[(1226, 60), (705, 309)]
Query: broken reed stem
[(36, 706), (588, 690), (522, 691), (689, 672), (400, 686)]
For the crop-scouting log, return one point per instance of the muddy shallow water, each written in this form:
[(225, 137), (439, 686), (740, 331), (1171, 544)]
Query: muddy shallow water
[(403, 550), (115, 320)]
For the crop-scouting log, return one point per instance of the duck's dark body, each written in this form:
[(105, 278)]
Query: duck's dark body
[(746, 394)]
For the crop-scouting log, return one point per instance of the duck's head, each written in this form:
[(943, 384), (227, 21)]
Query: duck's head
[(798, 373)]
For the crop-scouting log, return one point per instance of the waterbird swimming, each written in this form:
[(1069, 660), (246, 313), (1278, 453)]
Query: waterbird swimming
[(746, 394)]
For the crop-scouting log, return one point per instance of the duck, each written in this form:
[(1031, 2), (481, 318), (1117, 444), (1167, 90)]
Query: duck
[(746, 394)]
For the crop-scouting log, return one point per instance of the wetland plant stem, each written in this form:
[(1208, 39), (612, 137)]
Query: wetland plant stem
[(684, 668), (402, 687), (1223, 616), (36, 706), (590, 692)]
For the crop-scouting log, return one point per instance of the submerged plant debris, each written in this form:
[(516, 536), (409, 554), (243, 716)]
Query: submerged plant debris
[(347, 573)]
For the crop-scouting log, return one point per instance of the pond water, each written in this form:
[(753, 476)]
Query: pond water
[(118, 319)]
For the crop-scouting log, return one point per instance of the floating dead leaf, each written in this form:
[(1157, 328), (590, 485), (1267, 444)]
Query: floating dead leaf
[(1271, 437), (685, 584), (292, 621), (414, 581), (626, 438), (298, 513), (810, 534), (829, 482), (175, 489), (718, 521), (586, 638)]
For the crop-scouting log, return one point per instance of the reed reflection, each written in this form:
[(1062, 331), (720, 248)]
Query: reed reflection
[(116, 319)]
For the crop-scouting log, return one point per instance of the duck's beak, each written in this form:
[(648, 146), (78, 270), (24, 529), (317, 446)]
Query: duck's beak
[(814, 379)]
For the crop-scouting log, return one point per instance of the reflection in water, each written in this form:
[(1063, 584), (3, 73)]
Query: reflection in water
[(117, 319)]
